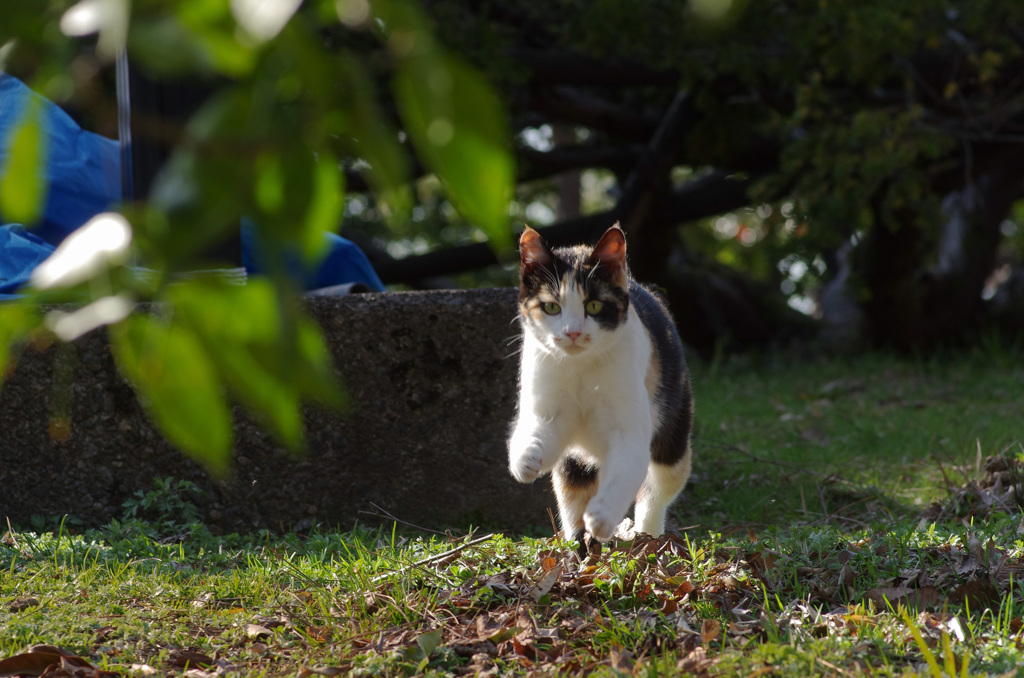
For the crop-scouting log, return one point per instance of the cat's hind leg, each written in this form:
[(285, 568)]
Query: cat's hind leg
[(663, 484), (575, 482)]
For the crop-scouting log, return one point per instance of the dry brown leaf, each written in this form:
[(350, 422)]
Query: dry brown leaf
[(486, 626), (28, 663), (50, 660), (302, 596), (621, 660), (524, 649), (543, 586), (685, 587), (710, 630), (22, 604), (925, 596), (253, 631), (695, 662), (188, 658), (847, 575), (330, 671), (210, 601), (978, 593)]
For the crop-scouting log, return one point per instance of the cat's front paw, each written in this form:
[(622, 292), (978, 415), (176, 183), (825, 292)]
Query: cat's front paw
[(600, 523), (527, 464)]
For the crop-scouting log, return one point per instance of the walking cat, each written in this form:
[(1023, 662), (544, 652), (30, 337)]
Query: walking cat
[(604, 391)]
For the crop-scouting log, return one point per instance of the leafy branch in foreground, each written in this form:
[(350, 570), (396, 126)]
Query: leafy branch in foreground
[(292, 111)]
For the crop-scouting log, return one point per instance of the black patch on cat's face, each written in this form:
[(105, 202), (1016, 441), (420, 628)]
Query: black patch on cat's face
[(575, 263)]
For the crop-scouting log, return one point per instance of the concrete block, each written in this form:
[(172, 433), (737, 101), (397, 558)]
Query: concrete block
[(432, 378)]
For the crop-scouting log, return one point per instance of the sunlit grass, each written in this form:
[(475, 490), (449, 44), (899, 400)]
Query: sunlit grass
[(779, 441), (811, 482)]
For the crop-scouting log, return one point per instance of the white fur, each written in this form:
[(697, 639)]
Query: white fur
[(579, 395)]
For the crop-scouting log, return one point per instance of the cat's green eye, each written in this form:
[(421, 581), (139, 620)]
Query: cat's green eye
[(551, 308), (593, 307)]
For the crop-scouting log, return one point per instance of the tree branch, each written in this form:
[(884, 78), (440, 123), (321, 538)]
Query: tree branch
[(535, 164), (564, 67), (705, 197), (568, 105)]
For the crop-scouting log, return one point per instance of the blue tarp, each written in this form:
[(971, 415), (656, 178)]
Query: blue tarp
[(344, 262), (83, 176), (82, 169), (20, 253)]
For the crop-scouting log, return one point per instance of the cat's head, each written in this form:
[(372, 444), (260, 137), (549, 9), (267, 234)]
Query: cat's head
[(574, 298)]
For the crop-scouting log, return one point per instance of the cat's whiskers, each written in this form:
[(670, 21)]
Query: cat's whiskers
[(586, 281), (551, 276)]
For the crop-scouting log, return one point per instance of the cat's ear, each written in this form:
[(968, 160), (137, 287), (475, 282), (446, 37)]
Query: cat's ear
[(533, 251), (610, 252)]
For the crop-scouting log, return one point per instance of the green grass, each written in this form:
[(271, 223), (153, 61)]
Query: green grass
[(823, 436), (812, 490)]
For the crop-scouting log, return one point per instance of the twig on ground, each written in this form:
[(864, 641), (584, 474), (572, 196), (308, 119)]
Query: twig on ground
[(830, 665), (381, 513), (434, 558)]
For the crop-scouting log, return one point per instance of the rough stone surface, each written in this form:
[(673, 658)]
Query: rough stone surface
[(432, 379)]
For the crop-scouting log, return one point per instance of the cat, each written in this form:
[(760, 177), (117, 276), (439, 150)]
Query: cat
[(605, 403)]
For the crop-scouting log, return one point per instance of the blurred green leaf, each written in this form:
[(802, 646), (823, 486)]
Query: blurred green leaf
[(168, 47), (459, 128), (23, 183), (16, 322), (429, 641), (269, 183), (325, 207), (271, 365), (213, 27), (179, 385), (240, 327)]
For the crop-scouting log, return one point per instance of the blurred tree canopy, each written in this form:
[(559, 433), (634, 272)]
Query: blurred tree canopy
[(849, 173)]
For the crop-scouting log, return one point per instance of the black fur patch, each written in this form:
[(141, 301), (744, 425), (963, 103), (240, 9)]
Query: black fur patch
[(674, 397), (577, 474)]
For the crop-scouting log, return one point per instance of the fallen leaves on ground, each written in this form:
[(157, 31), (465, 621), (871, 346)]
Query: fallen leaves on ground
[(992, 485), (654, 596), (620, 608)]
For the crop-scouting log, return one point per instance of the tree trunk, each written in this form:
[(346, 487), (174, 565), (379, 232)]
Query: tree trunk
[(904, 301)]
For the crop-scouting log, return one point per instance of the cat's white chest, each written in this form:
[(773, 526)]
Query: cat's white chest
[(596, 396)]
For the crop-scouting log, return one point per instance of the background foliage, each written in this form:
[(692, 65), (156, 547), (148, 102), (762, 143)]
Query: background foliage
[(823, 173)]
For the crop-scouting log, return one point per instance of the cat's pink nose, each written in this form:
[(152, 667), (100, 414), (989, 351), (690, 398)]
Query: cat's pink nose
[(573, 336)]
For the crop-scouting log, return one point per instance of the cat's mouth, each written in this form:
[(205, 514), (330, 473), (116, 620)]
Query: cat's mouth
[(571, 348)]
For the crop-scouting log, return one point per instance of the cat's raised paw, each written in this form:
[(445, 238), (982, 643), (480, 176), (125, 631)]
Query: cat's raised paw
[(525, 467)]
